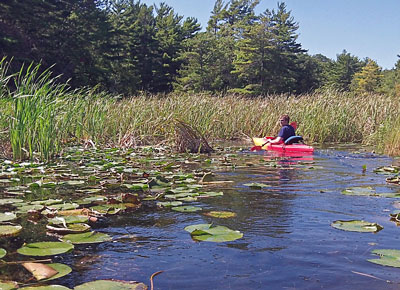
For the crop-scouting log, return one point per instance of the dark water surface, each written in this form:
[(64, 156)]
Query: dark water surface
[(288, 242)]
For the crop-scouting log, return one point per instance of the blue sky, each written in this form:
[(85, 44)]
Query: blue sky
[(365, 28)]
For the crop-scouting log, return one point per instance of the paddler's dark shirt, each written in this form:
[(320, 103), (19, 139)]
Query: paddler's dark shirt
[(286, 132)]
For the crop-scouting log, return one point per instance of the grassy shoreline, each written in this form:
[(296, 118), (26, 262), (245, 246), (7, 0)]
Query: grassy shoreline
[(40, 115)]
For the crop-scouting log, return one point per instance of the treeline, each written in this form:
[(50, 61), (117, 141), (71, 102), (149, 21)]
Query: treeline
[(127, 47)]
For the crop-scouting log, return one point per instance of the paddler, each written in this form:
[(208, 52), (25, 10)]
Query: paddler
[(285, 132)]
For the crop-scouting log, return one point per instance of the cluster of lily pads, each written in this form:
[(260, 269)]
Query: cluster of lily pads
[(84, 186), (388, 257)]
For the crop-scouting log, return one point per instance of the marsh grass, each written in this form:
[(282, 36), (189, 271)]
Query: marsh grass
[(40, 115)]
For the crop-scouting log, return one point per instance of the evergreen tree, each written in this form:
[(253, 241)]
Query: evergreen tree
[(368, 80), (342, 71)]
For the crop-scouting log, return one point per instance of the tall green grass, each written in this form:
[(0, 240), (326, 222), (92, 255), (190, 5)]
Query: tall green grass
[(39, 115)]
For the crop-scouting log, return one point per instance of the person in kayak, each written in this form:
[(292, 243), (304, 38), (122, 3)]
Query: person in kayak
[(285, 132)]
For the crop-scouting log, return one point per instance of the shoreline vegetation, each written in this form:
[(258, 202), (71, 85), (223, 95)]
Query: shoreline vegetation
[(39, 116)]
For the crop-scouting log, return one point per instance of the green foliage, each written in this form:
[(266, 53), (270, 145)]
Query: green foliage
[(341, 72), (368, 79)]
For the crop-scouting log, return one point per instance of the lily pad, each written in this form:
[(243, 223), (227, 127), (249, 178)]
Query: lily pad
[(49, 287), (64, 206), (209, 233), (73, 228), (45, 249), (9, 231), (2, 253), (87, 238), (168, 203), (357, 226), (188, 208), (7, 216), (255, 185), (220, 214), (359, 191), (388, 257), (47, 202), (5, 201), (210, 194), (111, 285), (9, 285), (73, 219), (62, 270)]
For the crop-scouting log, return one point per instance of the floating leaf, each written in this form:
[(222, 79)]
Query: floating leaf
[(111, 285), (210, 194), (255, 185), (359, 191), (62, 270), (7, 216), (73, 219), (2, 253), (47, 202), (9, 285), (26, 208), (357, 226), (168, 203), (187, 208), (5, 201), (220, 214), (209, 233), (64, 206), (75, 182), (9, 231), (45, 249), (388, 257), (69, 229), (50, 287), (87, 238), (40, 271)]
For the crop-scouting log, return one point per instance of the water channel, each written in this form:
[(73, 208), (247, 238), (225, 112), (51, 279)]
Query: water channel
[(287, 242)]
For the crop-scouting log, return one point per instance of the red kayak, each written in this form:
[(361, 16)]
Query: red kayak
[(295, 147)]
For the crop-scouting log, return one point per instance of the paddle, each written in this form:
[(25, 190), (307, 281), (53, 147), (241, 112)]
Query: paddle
[(258, 148)]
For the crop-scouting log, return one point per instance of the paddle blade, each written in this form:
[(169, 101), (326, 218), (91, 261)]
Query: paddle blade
[(256, 148), (294, 125)]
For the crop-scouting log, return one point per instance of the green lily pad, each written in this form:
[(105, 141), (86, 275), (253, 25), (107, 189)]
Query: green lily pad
[(359, 191), (220, 214), (210, 194), (87, 238), (7, 216), (255, 185), (9, 285), (75, 182), (45, 249), (5, 201), (168, 203), (49, 287), (137, 186), (387, 169), (388, 257), (72, 219), (64, 206), (2, 254), (357, 226), (73, 228), (108, 209), (9, 231), (188, 208), (111, 285), (209, 233), (26, 208), (47, 202), (62, 270)]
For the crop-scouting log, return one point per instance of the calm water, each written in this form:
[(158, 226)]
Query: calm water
[(288, 242)]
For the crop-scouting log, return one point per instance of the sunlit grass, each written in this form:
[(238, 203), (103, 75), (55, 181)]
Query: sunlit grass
[(39, 115)]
